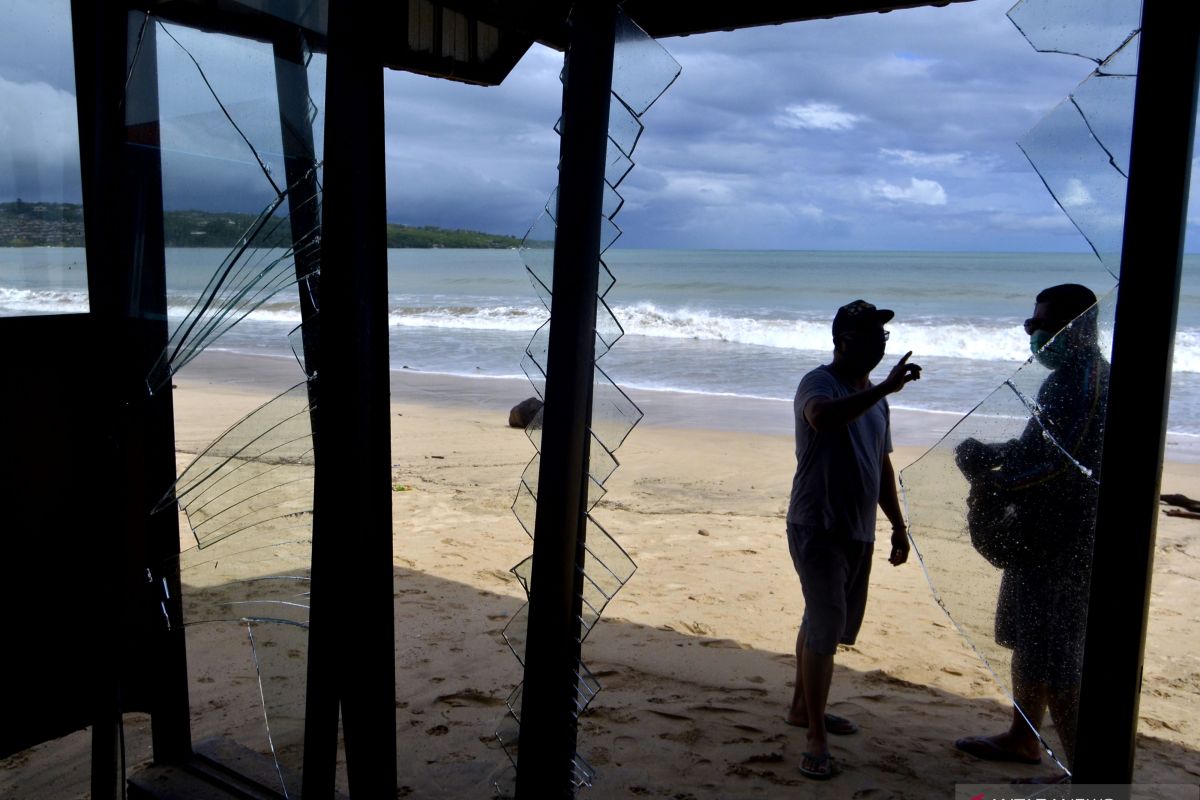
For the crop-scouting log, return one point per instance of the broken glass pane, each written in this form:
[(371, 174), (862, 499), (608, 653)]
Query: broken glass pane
[(642, 68), (608, 329), (612, 202), (514, 632), (310, 330), (609, 233), (616, 165), (606, 280), (280, 653), (1106, 104), (538, 349), (601, 462), (537, 253), (1079, 173), (613, 414), (624, 127), (43, 265), (264, 261), (525, 505), (586, 687), (212, 112), (1124, 61), (606, 564), (257, 476), (1093, 29), (1002, 513), (232, 123)]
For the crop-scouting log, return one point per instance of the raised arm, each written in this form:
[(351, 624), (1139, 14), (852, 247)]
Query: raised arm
[(830, 413)]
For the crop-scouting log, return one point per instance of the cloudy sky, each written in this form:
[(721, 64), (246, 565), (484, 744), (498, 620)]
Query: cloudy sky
[(893, 131)]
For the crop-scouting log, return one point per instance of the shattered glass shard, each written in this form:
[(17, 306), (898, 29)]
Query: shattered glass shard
[(1106, 104), (537, 253), (538, 348), (616, 165), (1124, 61), (606, 280), (534, 373), (601, 463), (257, 476), (263, 263), (1080, 176), (608, 329), (605, 562), (624, 127), (524, 573), (1091, 29), (614, 415), (280, 664), (612, 202), (514, 632), (609, 233), (524, 507), (642, 68), (582, 773), (586, 688)]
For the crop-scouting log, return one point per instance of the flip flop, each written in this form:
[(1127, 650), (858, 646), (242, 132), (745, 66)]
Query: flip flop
[(985, 748), (824, 767), (834, 725)]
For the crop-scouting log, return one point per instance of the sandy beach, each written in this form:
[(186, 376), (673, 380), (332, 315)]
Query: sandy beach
[(695, 653)]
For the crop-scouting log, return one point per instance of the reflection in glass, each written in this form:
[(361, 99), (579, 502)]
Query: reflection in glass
[(1002, 515), (43, 267)]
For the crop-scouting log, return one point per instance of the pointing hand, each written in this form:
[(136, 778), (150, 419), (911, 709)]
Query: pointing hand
[(901, 374)]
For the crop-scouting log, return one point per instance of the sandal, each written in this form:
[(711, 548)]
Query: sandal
[(820, 768)]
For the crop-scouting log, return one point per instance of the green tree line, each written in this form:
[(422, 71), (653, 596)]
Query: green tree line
[(29, 224)]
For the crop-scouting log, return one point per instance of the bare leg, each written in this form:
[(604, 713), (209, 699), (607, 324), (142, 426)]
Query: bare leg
[(798, 711), (1064, 710), (1019, 742), (818, 674)]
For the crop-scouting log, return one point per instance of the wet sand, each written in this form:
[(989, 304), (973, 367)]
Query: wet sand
[(695, 653)]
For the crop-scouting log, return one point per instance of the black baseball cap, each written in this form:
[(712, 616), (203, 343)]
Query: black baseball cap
[(860, 315)]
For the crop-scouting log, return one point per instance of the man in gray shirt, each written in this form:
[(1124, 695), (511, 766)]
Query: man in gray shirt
[(843, 472)]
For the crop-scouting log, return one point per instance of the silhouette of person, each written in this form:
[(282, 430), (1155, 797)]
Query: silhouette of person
[(1047, 482), (843, 472)]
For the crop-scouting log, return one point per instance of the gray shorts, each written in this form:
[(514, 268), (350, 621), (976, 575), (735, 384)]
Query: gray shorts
[(834, 572)]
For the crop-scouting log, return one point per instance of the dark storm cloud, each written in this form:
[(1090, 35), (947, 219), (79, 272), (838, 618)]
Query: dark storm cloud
[(874, 131)]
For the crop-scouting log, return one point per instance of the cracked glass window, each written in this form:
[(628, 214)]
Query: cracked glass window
[(1003, 509), (241, 189), (43, 268), (238, 137)]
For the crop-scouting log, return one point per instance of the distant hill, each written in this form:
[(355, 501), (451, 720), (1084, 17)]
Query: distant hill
[(25, 224)]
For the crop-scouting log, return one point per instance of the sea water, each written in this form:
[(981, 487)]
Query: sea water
[(738, 323)]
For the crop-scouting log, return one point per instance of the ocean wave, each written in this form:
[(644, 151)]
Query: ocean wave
[(29, 301), (937, 337)]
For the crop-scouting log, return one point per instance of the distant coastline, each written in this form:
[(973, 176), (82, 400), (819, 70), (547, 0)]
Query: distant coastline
[(32, 224)]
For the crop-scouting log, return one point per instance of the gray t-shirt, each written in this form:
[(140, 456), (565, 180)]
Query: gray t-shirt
[(836, 487)]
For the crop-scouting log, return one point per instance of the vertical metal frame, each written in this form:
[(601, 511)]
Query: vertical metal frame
[(1139, 390), (351, 634), (546, 748), (122, 192)]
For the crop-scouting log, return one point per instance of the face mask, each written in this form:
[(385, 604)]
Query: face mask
[(864, 360), (1050, 354)]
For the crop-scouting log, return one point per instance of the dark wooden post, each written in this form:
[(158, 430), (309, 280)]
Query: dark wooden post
[(351, 634), (548, 727), (121, 170), (1139, 391)]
